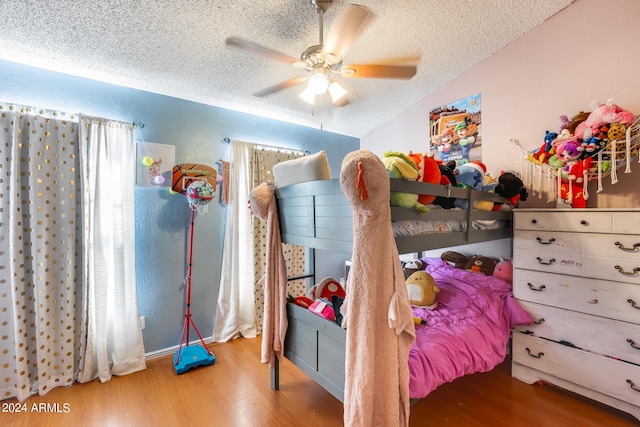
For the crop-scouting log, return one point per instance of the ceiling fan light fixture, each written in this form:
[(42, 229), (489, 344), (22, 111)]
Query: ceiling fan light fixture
[(308, 95), (318, 83), (336, 91)]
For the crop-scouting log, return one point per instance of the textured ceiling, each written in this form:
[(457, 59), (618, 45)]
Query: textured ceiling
[(177, 48)]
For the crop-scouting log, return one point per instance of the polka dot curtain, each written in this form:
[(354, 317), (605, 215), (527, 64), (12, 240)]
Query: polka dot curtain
[(59, 283), (295, 256), (41, 316)]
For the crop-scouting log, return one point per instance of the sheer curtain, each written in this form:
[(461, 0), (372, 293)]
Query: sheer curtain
[(108, 164), (68, 309), (240, 304), (236, 309)]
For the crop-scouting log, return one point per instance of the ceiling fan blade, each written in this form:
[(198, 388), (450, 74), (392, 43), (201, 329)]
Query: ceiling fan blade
[(280, 86), (253, 47), (342, 36), (379, 71)]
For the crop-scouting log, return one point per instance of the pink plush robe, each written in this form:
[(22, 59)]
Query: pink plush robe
[(262, 200), (378, 315)]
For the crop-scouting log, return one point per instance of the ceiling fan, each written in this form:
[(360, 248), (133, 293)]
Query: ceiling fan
[(324, 61)]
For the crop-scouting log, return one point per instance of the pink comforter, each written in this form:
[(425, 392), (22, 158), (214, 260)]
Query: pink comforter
[(467, 332)]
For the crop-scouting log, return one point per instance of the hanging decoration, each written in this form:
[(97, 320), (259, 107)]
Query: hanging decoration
[(588, 147)]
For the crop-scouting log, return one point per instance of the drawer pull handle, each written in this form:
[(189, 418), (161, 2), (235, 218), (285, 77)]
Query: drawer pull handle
[(548, 242), (537, 356), (534, 221), (551, 261), (593, 301), (583, 222), (633, 249), (633, 303), (633, 344), (632, 385), (627, 273), (538, 289), (540, 321)]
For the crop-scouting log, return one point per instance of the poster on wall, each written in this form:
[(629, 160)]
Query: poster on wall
[(455, 131), (154, 164)]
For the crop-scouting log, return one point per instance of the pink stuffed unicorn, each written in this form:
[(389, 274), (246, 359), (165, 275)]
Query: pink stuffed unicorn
[(504, 270)]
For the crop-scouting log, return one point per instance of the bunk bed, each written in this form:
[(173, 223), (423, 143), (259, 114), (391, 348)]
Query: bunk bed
[(316, 214)]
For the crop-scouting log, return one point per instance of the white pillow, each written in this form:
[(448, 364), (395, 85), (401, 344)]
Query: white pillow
[(302, 169)]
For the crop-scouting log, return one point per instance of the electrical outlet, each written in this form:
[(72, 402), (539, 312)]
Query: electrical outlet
[(142, 322)]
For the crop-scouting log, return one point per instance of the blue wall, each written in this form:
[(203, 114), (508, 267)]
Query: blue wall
[(162, 219)]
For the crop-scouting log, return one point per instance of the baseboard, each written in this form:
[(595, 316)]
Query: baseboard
[(168, 351)]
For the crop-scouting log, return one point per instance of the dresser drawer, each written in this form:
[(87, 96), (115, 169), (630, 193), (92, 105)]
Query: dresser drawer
[(612, 245), (548, 261), (612, 377), (620, 270), (596, 334), (626, 222), (614, 300), (583, 221), (548, 241)]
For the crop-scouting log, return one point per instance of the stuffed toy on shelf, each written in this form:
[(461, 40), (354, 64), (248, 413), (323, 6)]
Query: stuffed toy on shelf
[(399, 165)]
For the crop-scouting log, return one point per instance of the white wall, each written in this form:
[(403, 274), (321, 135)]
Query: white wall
[(589, 51)]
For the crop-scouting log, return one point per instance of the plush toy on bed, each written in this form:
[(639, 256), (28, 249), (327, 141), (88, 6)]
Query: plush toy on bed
[(504, 270), (412, 266), (422, 290), (455, 259), (400, 166), (481, 264)]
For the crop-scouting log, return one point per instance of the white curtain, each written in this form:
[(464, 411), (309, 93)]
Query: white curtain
[(235, 311), (240, 304), (114, 338)]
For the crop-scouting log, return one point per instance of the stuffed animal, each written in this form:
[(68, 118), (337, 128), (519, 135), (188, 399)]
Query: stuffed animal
[(448, 177), (481, 264), (608, 112), (569, 154), (325, 289), (575, 121), (412, 266), (511, 187), (472, 175), (455, 259), (574, 188), (545, 151), (617, 132), (422, 290), (504, 270), (428, 171), (400, 166)]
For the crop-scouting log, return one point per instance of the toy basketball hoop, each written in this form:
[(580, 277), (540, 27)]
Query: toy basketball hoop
[(199, 193), (197, 183)]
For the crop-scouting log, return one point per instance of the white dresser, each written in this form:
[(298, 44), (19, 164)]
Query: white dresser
[(578, 273)]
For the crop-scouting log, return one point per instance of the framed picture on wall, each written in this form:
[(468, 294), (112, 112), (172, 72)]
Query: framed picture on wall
[(154, 164)]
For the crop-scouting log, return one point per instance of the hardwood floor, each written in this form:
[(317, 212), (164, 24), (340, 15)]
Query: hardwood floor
[(235, 391)]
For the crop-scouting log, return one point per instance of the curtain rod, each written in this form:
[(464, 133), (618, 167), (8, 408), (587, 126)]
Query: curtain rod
[(226, 140)]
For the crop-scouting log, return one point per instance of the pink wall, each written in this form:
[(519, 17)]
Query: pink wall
[(589, 51)]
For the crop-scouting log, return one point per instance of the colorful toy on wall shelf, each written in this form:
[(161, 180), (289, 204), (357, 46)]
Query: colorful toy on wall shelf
[(588, 147)]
